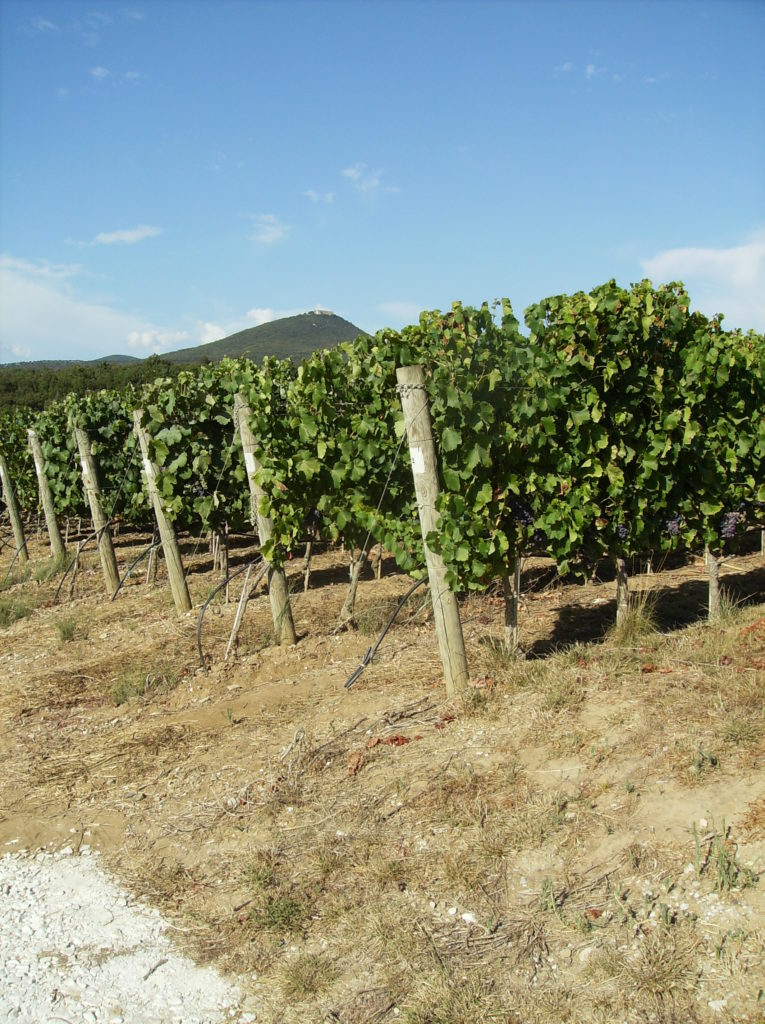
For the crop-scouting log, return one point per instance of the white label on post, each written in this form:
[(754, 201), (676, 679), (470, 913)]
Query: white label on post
[(84, 471), (418, 459), (249, 461), (148, 468)]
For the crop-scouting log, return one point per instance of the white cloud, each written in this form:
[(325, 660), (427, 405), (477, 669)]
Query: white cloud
[(252, 318), (269, 229), (366, 180), (401, 313), (100, 73), (662, 76), (564, 68), (44, 316), (724, 280), (593, 71), (319, 197), (153, 339), (126, 237), (133, 15), (43, 25), (131, 76)]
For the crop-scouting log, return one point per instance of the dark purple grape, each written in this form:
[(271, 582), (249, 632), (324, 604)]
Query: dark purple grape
[(728, 525), (621, 531), (672, 526)]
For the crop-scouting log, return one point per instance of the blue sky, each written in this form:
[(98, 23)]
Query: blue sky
[(171, 172)]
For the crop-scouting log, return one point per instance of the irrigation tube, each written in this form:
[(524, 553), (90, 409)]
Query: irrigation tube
[(152, 547), (372, 651), (217, 590), (13, 562)]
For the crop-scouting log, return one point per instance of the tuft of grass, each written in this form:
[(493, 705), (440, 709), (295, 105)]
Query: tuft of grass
[(308, 974), (719, 859), (12, 609), (141, 682), (69, 627), (49, 569), (279, 912), (742, 730), (445, 997), (638, 623)]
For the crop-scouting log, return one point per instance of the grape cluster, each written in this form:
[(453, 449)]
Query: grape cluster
[(728, 525), (521, 512), (672, 526), (198, 489), (621, 531)]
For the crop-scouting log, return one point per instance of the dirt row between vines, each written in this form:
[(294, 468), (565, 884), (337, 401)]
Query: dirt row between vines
[(579, 837)]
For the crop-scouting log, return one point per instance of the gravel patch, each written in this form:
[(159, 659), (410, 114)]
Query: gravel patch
[(75, 947)]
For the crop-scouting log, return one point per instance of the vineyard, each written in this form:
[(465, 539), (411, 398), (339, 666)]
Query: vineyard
[(623, 427), (575, 834)]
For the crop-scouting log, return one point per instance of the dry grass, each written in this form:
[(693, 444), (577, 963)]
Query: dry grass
[(518, 854)]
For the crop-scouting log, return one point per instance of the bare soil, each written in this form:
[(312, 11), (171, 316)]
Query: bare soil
[(578, 837)]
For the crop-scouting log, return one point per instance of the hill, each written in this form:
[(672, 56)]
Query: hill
[(35, 384), (292, 337)]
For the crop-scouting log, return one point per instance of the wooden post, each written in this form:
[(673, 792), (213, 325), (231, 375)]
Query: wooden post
[(172, 554), (512, 589), (57, 548), (422, 450), (622, 590), (9, 496), (713, 568), (100, 522), (281, 612)]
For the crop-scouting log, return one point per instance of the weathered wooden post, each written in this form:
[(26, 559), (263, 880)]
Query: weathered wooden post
[(622, 590), (100, 522), (9, 496), (170, 548), (512, 590), (57, 547), (713, 569), (422, 451), (284, 627)]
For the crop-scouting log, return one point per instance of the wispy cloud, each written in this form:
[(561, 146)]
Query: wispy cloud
[(593, 71), (100, 73), (662, 76), (125, 237), (41, 268), (133, 15), (319, 197), (364, 179), (131, 76), (564, 69), (43, 25), (719, 280), (44, 316), (269, 229)]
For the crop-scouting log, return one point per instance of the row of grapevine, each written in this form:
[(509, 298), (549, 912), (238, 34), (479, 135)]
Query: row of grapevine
[(622, 424)]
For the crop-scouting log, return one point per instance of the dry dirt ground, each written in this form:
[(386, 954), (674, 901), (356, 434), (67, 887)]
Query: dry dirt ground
[(578, 837)]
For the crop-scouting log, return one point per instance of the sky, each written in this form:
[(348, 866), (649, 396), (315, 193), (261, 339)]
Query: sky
[(172, 171)]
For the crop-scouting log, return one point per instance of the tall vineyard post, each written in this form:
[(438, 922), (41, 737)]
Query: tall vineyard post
[(100, 522), (57, 547), (9, 495), (281, 611), (422, 450), (170, 548), (622, 589)]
